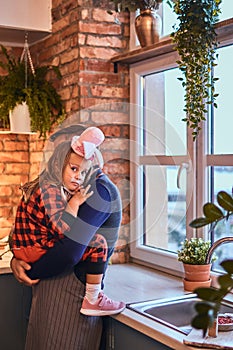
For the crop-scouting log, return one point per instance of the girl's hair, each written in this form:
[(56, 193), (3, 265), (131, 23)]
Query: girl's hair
[(53, 171)]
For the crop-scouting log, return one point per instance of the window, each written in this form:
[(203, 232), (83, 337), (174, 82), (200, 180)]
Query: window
[(165, 160), (220, 147)]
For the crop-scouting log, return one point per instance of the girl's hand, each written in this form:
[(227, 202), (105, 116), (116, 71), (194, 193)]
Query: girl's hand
[(80, 196)]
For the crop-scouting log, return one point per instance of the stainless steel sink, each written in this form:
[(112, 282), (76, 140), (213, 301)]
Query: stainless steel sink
[(176, 313)]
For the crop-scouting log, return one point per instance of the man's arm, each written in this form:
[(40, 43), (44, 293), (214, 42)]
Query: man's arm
[(67, 252)]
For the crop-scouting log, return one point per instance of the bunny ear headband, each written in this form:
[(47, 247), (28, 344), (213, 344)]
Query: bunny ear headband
[(85, 144)]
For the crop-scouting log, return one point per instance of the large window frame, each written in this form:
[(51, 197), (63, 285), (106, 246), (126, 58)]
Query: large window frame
[(198, 192)]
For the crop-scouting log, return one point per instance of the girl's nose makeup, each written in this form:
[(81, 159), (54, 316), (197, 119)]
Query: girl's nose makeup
[(79, 181)]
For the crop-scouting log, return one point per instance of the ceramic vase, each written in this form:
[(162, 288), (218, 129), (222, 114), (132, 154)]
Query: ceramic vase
[(148, 26), (196, 276)]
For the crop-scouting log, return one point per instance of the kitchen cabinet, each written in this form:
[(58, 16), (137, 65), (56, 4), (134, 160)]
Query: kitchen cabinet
[(118, 336), (15, 302), (24, 16)]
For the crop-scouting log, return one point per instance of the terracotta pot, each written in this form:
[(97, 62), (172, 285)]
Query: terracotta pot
[(190, 286), (148, 27), (197, 272)]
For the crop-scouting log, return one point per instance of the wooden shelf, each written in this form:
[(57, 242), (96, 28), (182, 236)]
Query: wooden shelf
[(223, 29)]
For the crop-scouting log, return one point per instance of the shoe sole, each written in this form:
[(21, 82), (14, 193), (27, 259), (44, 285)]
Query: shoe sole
[(88, 312)]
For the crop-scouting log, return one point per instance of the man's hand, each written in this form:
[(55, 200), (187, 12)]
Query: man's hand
[(19, 267)]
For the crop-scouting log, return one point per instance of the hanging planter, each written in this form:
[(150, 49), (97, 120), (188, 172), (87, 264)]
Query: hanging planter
[(195, 40), (19, 117), (27, 89)]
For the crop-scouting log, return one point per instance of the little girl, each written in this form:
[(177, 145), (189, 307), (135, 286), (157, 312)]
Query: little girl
[(57, 219)]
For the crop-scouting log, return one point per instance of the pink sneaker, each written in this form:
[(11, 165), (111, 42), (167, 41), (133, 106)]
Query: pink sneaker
[(103, 307)]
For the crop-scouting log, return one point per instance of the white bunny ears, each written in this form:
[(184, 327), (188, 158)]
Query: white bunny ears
[(85, 144)]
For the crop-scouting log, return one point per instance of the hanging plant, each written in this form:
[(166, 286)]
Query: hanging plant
[(21, 84), (196, 41)]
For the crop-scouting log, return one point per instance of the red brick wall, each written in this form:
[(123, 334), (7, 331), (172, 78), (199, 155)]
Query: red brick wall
[(15, 167), (83, 41)]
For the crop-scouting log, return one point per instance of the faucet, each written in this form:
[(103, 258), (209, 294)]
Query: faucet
[(215, 245)]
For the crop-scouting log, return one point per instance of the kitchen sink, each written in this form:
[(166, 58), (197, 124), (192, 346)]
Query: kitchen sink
[(176, 312)]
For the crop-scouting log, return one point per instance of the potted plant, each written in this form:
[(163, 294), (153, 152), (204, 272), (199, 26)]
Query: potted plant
[(193, 254), (148, 23), (127, 5), (20, 85), (211, 298), (195, 41)]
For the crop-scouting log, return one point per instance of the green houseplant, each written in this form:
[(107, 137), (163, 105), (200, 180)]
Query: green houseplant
[(19, 85), (193, 254), (195, 41), (211, 298), (127, 5), (193, 251)]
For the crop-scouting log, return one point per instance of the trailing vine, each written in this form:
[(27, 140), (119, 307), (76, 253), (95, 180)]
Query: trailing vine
[(196, 42)]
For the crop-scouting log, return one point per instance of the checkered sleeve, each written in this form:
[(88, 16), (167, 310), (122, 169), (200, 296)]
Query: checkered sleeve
[(54, 206), (39, 221)]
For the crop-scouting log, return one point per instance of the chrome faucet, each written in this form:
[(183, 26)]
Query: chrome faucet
[(215, 245)]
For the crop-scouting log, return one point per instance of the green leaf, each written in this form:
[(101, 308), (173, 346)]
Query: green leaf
[(228, 266), (225, 200), (225, 281), (203, 307), (212, 212), (203, 321), (208, 294), (199, 222)]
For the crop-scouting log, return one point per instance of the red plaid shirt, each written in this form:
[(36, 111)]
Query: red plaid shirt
[(38, 223)]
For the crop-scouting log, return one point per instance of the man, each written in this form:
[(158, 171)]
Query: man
[(55, 321)]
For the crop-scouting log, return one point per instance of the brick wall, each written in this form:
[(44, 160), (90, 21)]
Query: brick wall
[(84, 38)]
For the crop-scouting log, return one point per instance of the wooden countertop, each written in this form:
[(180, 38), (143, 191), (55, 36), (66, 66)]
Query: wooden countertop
[(133, 283)]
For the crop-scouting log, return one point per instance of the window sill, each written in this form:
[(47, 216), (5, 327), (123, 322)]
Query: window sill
[(7, 132), (223, 30)]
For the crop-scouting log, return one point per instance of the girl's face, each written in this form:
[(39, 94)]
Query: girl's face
[(75, 172)]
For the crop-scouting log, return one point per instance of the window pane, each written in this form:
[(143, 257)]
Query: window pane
[(165, 207), (170, 18), (226, 10), (163, 101), (222, 180), (223, 121)]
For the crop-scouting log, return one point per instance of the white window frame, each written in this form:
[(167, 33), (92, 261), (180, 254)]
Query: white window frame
[(163, 260)]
